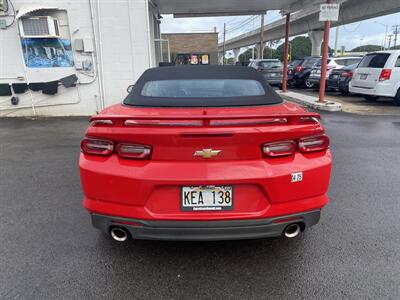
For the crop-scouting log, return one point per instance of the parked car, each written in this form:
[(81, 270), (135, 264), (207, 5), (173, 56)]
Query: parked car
[(204, 153), (271, 69), (299, 71), (339, 79), (378, 75), (333, 63)]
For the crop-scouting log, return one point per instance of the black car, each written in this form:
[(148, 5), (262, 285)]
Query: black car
[(339, 79), (300, 69)]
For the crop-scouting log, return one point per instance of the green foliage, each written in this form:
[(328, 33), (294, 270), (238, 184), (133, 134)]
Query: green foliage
[(299, 47), (367, 48)]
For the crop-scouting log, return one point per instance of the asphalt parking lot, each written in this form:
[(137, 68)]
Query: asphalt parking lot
[(48, 249)]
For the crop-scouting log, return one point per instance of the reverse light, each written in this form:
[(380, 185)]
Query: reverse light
[(134, 151), (313, 143), (97, 146), (282, 148), (385, 74)]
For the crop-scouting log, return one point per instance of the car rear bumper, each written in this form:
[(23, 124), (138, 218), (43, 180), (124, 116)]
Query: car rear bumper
[(205, 230), (151, 190), (332, 83), (381, 89), (315, 80)]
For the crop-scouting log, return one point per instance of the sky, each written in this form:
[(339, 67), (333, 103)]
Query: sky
[(371, 31)]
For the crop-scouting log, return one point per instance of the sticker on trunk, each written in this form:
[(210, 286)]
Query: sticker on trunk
[(296, 177)]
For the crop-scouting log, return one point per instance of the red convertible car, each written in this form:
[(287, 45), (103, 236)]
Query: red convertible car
[(204, 153)]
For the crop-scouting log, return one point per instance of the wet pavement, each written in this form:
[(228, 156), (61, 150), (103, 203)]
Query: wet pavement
[(48, 249)]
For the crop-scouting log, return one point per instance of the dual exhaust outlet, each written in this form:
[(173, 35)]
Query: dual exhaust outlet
[(121, 234)]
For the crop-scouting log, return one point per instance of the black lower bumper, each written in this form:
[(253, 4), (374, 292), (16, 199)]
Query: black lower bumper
[(205, 230)]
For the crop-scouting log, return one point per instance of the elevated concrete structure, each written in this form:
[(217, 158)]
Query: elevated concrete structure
[(316, 37), (307, 20)]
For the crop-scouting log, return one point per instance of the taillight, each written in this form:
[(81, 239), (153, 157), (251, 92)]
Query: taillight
[(385, 74), (106, 148), (313, 143), (133, 151), (282, 148), (97, 146), (289, 147), (299, 69), (102, 122), (347, 74)]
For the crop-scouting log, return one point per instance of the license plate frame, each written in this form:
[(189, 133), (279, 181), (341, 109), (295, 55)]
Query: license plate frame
[(188, 204)]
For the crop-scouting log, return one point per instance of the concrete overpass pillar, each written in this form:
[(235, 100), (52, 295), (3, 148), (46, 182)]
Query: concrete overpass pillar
[(316, 37), (236, 53)]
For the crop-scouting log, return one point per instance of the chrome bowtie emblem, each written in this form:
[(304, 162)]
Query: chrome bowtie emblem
[(207, 153)]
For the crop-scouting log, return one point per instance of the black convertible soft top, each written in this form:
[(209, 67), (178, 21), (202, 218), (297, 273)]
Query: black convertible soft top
[(194, 73)]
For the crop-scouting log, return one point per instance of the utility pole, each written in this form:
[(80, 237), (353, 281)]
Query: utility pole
[(395, 32), (223, 46), (337, 41), (390, 40), (261, 52)]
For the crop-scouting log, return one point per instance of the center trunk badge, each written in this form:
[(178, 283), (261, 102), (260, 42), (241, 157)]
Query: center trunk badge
[(207, 153)]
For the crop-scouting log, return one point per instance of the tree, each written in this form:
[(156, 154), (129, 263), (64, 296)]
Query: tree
[(367, 48), (248, 54), (300, 47)]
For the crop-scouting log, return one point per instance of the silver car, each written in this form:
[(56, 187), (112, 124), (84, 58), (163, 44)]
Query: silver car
[(271, 69)]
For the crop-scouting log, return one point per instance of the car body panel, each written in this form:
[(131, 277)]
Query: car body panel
[(335, 63), (150, 189), (366, 78), (273, 75)]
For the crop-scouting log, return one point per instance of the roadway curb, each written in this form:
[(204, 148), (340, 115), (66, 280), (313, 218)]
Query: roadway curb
[(311, 101)]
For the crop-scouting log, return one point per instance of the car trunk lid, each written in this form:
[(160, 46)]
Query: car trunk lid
[(199, 134)]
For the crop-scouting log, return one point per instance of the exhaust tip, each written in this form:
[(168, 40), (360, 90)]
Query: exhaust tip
[(292, 230), (119, 234)]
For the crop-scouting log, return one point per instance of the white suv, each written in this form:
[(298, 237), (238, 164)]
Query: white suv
[(378, 75)]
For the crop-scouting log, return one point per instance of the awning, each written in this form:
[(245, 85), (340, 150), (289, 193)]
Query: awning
[(25, 10)]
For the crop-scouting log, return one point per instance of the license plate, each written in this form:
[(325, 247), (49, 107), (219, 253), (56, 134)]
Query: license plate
[(363, 76), (335, 76), (206, 198), (272, 74)]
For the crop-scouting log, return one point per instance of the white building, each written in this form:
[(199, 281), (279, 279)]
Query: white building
[(107, 44)]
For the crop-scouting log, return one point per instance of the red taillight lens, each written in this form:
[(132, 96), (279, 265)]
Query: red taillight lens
[(299, 69), (314, 143), (97, 146), (282, 148), (385, 74), (133, 151), (347, 74)]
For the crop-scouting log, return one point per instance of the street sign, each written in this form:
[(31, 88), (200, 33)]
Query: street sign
[(329, 12)]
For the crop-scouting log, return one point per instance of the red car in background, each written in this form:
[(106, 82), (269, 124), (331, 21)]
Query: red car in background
[(204, 153)]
